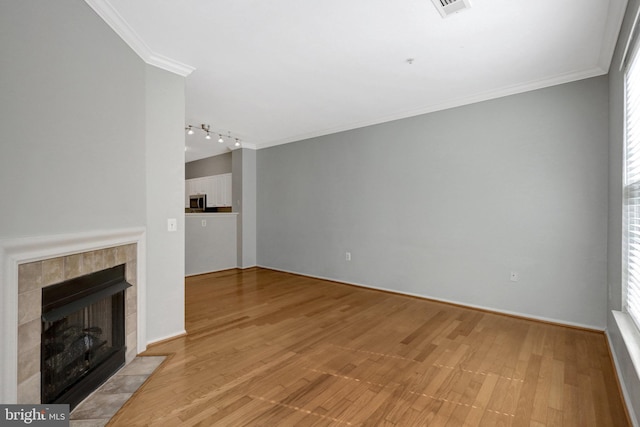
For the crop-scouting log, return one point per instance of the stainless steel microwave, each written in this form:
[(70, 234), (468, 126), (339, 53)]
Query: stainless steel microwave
[(198, 201)]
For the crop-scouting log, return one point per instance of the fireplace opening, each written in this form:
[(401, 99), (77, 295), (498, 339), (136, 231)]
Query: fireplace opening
[(83, 335)]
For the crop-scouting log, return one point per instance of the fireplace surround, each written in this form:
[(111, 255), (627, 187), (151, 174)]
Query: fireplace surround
[(30, 264), (83, 334)]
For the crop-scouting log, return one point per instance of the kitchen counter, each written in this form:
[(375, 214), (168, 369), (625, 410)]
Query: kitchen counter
[(210, 242), (211, 214)]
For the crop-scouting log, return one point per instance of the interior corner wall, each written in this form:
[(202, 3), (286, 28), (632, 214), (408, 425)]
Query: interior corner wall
[(628, 376), (447, 204), (165, 117), (249, 210), (244, 187), (236, 192), (72, 114)]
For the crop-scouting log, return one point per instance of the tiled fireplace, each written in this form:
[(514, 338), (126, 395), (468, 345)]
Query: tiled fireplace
[(34, 276), (29, 265)]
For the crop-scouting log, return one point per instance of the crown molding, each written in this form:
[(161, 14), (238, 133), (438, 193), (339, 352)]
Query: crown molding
[(432, 108), (612, 30), (248, 146), (106, 11)]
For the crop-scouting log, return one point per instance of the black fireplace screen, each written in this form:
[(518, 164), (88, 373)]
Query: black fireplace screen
[(82, 335)]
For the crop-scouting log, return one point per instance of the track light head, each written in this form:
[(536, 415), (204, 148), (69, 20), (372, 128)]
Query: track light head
[(207, 131)]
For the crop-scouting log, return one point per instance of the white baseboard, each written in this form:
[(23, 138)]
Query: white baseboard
[(168, 337), (463, 304)]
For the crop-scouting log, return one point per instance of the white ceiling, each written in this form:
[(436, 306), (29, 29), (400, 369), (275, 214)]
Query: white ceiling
[(277, 71)]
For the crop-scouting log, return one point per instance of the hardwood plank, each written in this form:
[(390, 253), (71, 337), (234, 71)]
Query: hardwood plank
[(265, 348)]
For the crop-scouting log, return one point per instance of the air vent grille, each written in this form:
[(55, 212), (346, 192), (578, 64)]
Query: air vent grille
[(449, 7)]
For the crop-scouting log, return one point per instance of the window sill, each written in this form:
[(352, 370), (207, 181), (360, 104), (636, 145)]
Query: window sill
[(630, 336)]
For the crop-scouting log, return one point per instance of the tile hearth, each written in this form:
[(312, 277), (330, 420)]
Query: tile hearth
[(97, 409)]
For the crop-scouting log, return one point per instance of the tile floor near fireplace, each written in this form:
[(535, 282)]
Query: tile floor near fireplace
[(97, 409)]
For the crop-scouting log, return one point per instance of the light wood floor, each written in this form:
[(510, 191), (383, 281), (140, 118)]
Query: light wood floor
[(266, 348)]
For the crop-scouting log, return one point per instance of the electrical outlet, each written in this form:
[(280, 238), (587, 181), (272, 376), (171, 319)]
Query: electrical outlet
[(204, 222), (514, 277), (347, 256)]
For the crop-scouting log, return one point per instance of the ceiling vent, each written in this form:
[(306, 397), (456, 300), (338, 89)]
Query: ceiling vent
[(449, 7)]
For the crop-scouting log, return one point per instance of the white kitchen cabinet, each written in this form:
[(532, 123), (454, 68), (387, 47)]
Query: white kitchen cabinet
[(200, 186), (221, 189), (216, 187), (194, 186), (188, 191), (212, 191), (227, 200), (216, 190)]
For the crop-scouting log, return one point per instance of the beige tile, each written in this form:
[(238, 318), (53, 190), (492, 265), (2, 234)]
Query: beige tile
[(131, 272), (52, 271), (29, 276), (110, 258), (121, 255), (73, 266), (29, 335), (107, 400), (123, 384), (130, 301), (131, 293), (144, 365), (130, 355), (101, 422), (100, 405), (28, 363), (29, 390), (29, 306), (131, 323), (132, 252), (89, 262), (131, 340), (99, 260)]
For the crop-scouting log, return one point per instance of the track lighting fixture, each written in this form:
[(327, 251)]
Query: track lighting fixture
[(204, 128), (207, 131)]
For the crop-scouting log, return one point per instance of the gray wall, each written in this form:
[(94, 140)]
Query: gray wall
[(88, 141), (627, 373), (446, 204), (165, 117), (244, 189), (73, 122), (214, 165), (210, 242)]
